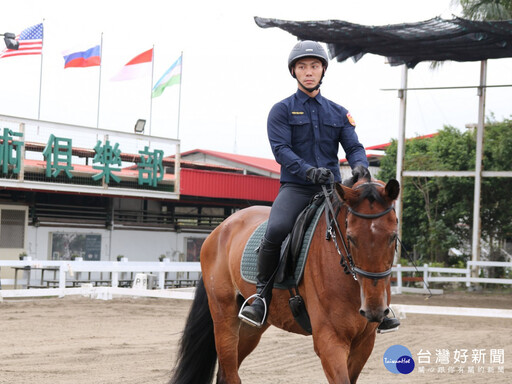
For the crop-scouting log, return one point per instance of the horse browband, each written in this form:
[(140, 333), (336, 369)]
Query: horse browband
[(350, 266), (371, 215)]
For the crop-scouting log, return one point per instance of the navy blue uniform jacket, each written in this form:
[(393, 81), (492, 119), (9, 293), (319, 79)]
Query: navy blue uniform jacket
[(305, 132)]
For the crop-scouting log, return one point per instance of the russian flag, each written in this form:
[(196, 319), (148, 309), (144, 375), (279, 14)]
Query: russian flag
[(80, 59)]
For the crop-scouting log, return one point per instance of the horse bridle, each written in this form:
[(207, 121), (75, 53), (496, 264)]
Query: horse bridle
[(347, 262)]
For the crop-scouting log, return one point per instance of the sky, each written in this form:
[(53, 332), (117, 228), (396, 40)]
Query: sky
[(233, 71)]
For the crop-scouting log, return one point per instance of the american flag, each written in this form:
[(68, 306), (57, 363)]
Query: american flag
[(31, 42)]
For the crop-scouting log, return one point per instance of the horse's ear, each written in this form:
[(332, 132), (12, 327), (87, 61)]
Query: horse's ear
[(392, 189), (346, 193), (340, 189)]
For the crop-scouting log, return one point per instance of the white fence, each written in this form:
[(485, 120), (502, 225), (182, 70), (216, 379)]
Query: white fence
[(60, 278), (446, 275)]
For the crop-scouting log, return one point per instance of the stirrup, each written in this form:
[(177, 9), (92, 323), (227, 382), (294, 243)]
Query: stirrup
[(245, 319)]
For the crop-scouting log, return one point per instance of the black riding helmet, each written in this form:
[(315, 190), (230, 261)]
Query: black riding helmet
[(307, 48)]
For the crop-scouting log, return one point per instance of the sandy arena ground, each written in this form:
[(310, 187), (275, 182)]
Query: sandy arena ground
[(133, 341)]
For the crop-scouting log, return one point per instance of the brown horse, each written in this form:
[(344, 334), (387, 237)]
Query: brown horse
[(344, 308)]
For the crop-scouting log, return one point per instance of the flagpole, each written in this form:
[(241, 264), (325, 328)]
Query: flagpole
[(151, 90), (179, 98), (99, 82), (40, 76)]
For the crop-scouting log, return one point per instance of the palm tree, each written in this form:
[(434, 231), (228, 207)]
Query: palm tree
[(486, 9), (481, 10)]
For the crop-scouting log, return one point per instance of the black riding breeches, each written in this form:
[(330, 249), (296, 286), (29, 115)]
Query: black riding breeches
[(289, 203)]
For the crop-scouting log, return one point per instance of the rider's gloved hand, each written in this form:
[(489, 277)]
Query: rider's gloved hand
[(319, 175), (360, 172)]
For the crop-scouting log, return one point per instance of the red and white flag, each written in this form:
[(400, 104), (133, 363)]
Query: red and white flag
[(139, 66)]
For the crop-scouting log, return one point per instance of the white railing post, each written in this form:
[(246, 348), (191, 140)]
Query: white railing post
[(161, 279), (425, 276), (468, 274), (62, 277), (78, 275), (115, 279)]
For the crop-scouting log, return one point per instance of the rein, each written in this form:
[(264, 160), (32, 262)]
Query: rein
[(347, 262)]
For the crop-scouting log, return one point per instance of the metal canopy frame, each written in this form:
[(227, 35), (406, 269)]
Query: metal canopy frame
[(478, 173)]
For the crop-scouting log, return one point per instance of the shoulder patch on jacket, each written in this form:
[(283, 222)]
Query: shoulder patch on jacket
[(350, 119)]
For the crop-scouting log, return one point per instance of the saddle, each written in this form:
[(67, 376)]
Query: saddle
[(292, 244)]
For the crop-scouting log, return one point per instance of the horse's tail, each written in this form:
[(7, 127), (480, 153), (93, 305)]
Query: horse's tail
[(197, 355)]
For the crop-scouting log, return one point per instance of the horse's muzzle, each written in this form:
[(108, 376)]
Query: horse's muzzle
[(375, 315)]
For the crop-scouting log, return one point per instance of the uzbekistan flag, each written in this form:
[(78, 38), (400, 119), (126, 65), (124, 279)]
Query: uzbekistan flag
[(170, 77), (80, 59), (31, 42), (137, 67)]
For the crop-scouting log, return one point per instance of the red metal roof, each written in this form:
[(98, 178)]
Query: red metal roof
[(383, 147), (258, 162), (194, 182)]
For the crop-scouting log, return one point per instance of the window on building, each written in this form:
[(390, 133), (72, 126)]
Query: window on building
[(194, 247), (12, 228)]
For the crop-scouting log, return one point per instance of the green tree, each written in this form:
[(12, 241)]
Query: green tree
[(438, 211), (496, 210)]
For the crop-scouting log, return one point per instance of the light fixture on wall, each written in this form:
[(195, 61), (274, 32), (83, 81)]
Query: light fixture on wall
[(139, 126)]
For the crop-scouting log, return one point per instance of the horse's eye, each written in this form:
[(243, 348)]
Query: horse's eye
[(392, 238), (350, 239)]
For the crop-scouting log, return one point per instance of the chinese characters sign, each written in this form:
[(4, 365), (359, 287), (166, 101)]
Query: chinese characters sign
[(151, 170), (10, 151), (58, 154), (107, 156)]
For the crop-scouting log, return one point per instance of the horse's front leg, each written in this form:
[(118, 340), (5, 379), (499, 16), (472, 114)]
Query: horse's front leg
[(360, 351), (333, 354)]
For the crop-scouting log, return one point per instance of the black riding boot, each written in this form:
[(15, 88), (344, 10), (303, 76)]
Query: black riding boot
[(268, 261)]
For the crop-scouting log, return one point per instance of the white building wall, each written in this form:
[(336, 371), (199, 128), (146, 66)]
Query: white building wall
[(142, 245), (133, 244)]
